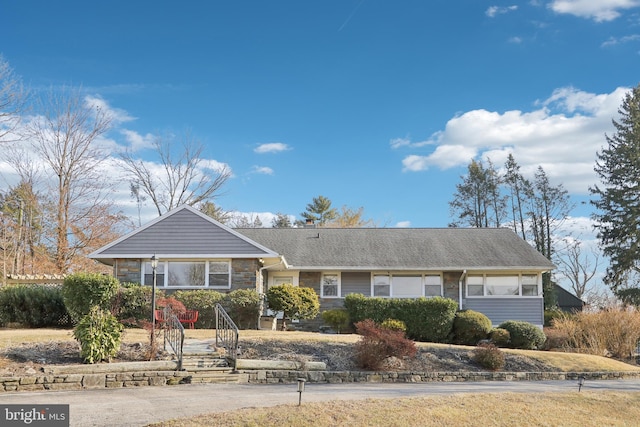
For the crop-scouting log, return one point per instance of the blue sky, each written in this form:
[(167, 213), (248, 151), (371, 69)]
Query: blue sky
[(371, 103)]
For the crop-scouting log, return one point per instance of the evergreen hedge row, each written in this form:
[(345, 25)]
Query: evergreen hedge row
[(427, 319), (35, 306)]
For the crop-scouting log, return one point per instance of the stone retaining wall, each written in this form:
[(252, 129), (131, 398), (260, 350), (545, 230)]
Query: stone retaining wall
[(273, 377), (162, 378)]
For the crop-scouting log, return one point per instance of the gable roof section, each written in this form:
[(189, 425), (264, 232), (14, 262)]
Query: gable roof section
[(401, 248), (183, 233)]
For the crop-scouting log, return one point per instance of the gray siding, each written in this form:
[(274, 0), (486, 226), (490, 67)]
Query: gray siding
[(184, 233), (355, 283), (502, 309)]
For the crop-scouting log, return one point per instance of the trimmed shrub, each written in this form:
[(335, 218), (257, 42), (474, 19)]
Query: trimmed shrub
[(295, 302), (99, 334), (427, 319), (524, 335), (204, 301), (82, 291), (499, 337), (470, 327), (243, 306), (394, 325), (132, 303), (337, 318), (377, 344), (489, 357), (34, 306)]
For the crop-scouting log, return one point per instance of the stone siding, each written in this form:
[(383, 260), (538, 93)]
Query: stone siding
[(244, 273), (451, 282), (127, 270)]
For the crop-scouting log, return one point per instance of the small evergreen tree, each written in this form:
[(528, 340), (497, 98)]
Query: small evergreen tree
[(295, 302)]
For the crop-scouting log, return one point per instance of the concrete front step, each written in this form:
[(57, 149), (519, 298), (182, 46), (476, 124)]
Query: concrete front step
[(204, 362)]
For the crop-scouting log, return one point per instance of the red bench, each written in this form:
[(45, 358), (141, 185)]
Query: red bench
[(189, 317)]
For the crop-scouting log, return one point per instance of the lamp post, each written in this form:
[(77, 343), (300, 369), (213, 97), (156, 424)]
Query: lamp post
[(154, 266)]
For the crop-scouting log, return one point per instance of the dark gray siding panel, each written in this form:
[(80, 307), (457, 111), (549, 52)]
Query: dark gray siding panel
[(184, 233), (355, 283), (502, 309)]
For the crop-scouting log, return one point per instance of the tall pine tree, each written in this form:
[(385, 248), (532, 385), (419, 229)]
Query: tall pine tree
[(618, 198)]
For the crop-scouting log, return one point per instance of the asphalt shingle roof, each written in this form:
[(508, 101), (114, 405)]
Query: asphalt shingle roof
[(400, 248)]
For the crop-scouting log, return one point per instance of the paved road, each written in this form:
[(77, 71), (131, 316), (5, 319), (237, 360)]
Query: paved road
[(140, 406)]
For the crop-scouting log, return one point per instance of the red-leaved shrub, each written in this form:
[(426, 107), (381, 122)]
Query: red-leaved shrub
[(377, 344)]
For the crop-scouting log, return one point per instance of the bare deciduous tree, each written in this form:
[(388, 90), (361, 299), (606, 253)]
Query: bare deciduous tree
[(64, 139), (185, 179), (577, 267), (13, 98)]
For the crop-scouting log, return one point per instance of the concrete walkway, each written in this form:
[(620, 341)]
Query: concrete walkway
[(144, 405)]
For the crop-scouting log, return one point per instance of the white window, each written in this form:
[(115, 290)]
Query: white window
[(529, 285), (502, 285), (406, 286), (432, 285), (189, 274), (475, 286), (281, 280), (381, 286), (219, 274), (330, 286)]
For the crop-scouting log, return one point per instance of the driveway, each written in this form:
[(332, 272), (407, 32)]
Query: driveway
[(140, 406)]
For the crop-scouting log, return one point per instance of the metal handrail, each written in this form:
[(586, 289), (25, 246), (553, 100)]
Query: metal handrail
[(173, 334), (227, 334)]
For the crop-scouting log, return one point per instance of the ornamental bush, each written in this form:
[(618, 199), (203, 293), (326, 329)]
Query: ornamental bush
[(377, 344), (35, 306), (427, 319), (337, 318), (99, 334), (132, 303), (499, 337), (470, 327), (524, 335), (243, 306), (489, 357), (82, 291), (295, 302), (394, 325), (204, 301)]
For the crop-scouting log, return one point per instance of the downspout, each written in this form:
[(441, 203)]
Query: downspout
[(462, 276)]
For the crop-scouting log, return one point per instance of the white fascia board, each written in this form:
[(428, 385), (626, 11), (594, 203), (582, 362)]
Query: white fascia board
[(162, 256), (390, 268)]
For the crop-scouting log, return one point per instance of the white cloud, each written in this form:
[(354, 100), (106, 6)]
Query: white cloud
[(271, 147), (612, 41), (562, 135), (264, 170), (598, 10), (213, 165), (492, 11), (403, 224), (117, 115), (406, 142), (515, 40), (137, 141)]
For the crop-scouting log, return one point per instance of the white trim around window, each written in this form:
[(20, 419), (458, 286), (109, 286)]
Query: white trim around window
[(496, 285), (188, 274), (330, 285), (406, 285)]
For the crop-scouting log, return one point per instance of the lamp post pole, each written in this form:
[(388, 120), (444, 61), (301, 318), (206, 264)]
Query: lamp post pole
[(154, 266)]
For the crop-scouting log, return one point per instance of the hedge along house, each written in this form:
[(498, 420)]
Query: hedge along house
[(492, 271)]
